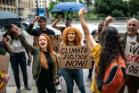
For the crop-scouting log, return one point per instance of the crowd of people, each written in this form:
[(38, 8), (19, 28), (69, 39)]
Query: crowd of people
[(115, 55)]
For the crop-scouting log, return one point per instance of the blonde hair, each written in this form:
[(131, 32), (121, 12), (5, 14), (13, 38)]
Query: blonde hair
[(78, 35), (42, 58)]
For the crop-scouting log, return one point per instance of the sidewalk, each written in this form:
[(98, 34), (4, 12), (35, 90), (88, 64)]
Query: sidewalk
[(11, 88)]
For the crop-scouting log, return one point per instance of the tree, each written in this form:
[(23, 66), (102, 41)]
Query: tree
[(105, 7), (117, 13), (89, 3), (134, 6)]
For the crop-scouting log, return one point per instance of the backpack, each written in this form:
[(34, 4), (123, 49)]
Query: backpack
[(114, 77)]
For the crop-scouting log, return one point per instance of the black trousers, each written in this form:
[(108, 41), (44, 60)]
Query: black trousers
[(45, 82), (46, 85), (19, 60), (50, 88)]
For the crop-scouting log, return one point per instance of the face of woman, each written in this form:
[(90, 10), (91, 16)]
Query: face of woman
[(71, 36), (43, 42), (13, 28)]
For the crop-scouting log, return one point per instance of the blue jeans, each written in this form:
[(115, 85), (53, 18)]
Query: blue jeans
[(73, 74)]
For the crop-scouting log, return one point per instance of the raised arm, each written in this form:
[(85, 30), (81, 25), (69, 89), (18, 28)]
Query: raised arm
[(30, 27), (107, 21), (92, 43), (54, 24)]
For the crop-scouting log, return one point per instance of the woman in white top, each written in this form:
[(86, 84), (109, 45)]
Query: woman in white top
[(17, 56)]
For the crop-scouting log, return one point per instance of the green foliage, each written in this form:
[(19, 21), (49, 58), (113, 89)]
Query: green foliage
[(90, 16), (101, 15), (106, 7), (134, 7), (117, 13), (52, 4)]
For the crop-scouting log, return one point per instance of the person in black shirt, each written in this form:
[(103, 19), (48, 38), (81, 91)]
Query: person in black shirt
[(41, 29)]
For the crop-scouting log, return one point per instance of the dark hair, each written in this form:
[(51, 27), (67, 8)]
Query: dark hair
[(8, 32), (111, 48), (10, 25), (42, 18)]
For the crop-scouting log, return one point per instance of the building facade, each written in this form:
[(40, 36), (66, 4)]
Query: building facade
[(40, 7), (8, 5), (22, 8)]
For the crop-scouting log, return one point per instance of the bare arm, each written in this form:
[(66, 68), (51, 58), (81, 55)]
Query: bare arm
[(54, 24), (30, 29), (107, 21), (92, 43)]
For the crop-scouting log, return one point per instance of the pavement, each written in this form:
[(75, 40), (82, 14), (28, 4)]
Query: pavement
[(11, 88)]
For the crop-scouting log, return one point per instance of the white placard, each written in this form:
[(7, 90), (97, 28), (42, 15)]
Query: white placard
[(132, 58)]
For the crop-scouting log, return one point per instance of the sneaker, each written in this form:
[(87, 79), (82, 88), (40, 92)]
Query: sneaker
[(58, 87), (18, 91)]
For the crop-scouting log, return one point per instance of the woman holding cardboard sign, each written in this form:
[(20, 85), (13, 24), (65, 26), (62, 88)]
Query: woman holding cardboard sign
[(109, 58), (72, 37)]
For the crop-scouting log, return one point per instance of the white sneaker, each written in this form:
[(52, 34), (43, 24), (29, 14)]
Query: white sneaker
[(58, 87)]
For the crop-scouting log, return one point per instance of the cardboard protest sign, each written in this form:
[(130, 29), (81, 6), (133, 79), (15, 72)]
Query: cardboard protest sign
[(75, 57), (56, 40), (132, 59)]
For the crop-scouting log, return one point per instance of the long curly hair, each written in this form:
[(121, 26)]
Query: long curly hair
[(78, 35), (111, 49), (42, 58)]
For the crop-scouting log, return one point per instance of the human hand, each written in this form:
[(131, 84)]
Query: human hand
[(36, 18), (5, 40), (6, 78), (82, 11), (29, 61), (3, 80), (109, 19)]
